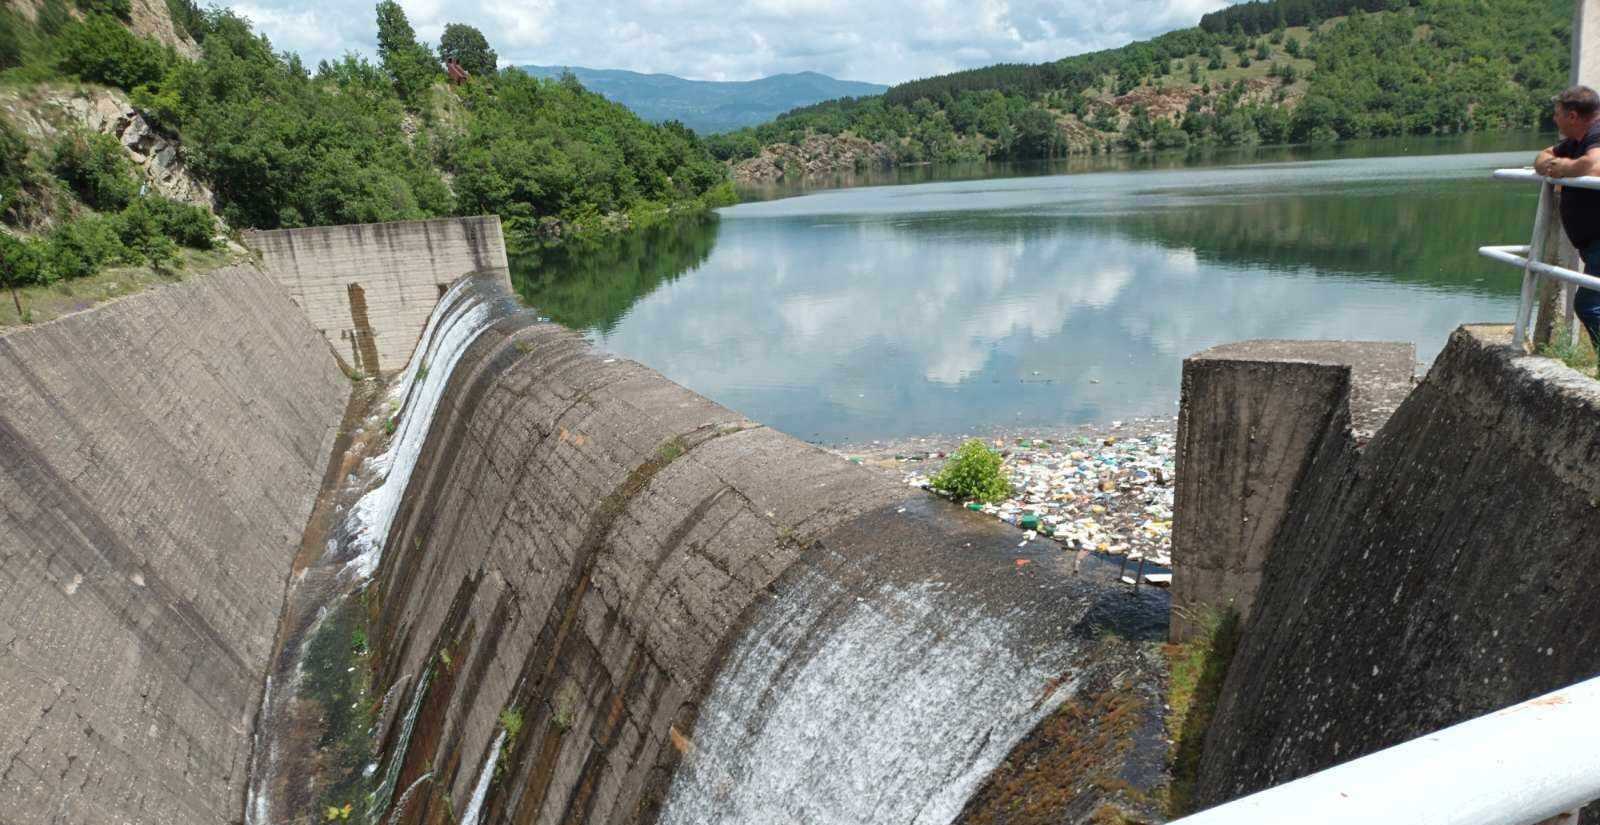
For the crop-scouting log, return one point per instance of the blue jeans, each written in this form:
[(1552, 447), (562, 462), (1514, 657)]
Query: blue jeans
[(1586, 303)]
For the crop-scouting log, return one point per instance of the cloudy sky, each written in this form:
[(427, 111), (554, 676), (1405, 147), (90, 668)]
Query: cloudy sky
[(885, 41)]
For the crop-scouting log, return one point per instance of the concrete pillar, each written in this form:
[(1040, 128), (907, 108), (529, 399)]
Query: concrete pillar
[(1253, 417), (1586, 42)]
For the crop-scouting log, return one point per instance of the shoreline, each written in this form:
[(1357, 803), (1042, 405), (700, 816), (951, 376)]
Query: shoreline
[(1103, 487)]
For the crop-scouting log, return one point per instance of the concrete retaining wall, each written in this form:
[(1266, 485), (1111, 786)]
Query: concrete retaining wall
[(1441, 572), (370, 287), (1253, 418), (158, 459)]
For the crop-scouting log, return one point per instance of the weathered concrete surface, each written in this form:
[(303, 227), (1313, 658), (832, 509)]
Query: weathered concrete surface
[(158, 458), (582, 542), (370, 287), (1253, 417), (1439, 573)]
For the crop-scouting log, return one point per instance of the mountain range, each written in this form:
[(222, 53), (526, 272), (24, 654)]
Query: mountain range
[(710, 106)]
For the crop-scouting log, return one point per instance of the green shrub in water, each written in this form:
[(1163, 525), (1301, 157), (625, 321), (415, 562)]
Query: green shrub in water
[(973, 473)]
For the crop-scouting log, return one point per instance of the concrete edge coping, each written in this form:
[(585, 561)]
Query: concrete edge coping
[(225, 269), (1382, 373), (1568, 382)]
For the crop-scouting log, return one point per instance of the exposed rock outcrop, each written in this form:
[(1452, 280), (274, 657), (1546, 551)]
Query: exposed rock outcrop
[(147, 18), (816, 156), (44, 112)]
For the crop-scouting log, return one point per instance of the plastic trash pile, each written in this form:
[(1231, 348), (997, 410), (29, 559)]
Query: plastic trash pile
[(1108, 495)]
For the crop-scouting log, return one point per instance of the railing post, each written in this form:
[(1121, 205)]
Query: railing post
[(1530, 280)]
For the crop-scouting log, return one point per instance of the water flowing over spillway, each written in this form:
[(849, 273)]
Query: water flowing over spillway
[(325, 588), (865, 697), (877, 670)]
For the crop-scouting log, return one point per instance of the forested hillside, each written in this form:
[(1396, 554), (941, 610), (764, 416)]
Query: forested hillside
[(281, 144), (1272, 71)]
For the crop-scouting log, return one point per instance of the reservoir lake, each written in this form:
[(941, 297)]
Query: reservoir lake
[(1046, 296)]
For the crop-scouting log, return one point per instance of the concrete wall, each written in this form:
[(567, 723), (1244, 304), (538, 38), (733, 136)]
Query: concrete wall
[(158, 459), (370, 287), (1439, 573), (582, 542), (1253, 417)]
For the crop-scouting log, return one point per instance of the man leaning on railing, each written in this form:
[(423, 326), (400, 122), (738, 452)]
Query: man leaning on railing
[(1577, 115)]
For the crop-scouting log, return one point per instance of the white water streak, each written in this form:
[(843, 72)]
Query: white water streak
[(378, 801), (474, 810), (892, 714), (457, 321)]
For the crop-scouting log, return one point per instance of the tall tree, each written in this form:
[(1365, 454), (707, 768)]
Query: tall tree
[(466, 45), (411, 65)]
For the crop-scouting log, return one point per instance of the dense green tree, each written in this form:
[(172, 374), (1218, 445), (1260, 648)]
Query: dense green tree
[(117, 8), (94, 166), (467, 46), (411, 65), (101, 49)]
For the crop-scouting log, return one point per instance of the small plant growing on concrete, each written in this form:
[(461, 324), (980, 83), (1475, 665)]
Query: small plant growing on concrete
[(1578, 354), (973, 473), (511, 720)]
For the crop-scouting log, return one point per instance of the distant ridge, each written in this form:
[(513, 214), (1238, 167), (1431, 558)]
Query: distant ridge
[(709, 106)]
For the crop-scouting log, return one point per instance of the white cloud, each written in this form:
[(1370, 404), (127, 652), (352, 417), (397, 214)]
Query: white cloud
[(886, 42)]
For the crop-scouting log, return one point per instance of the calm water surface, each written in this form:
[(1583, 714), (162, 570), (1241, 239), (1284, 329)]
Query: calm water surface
[(1040, 300)]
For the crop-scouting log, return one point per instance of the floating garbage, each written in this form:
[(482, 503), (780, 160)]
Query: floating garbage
[(1093, 491)]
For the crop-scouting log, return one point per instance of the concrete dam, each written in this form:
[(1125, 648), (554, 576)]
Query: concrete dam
[(351, 535), (544, 584)]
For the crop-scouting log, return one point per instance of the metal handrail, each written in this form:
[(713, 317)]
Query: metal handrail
[(1530, 258), (1530, 763), (1527, 175)]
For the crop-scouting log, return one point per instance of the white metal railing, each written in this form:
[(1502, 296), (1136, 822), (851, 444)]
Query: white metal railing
[(1530, 258), (1531, 763)]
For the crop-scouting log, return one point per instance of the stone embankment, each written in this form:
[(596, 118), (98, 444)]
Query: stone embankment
[(1435, 574), (158, 459)]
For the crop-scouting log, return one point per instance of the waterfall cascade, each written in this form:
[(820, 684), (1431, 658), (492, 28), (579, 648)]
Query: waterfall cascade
[(885, 688), (325, 588), (612, 558)]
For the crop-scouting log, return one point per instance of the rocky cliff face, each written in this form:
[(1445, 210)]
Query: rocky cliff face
[(148, 18), (816, 156), (44, 112)]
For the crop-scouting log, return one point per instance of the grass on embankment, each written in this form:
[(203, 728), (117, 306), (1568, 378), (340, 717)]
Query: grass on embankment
[(47, 302), (1580, 356), (1198, 668)]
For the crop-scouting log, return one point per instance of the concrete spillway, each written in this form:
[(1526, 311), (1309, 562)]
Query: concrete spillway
[(873, 690), (536, 584), (337, 564), (584, 546)]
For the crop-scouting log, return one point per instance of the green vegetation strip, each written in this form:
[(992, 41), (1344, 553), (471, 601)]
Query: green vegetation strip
[(1199, 667)]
